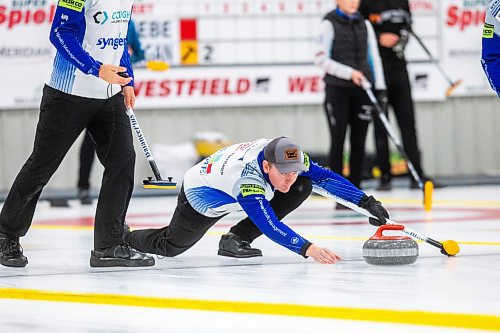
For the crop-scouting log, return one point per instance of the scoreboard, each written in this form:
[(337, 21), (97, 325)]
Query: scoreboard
[(236, 32)]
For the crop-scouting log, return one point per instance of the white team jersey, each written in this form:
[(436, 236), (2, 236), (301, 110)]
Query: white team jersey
[(85, 33), (212, 185)]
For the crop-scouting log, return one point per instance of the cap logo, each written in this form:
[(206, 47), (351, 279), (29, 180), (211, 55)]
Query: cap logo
[(291, 154)]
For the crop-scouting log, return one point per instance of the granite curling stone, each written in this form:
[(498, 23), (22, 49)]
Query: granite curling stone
[(390, 250)]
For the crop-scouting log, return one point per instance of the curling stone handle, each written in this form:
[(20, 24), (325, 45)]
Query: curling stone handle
[(388, 227)]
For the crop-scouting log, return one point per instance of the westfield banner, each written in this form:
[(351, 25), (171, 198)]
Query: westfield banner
[(240, 52)]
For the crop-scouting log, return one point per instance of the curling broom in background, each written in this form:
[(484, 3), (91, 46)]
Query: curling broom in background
[(452, 85), (428, 187)]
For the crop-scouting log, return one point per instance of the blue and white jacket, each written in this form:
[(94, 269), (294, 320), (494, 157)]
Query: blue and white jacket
[(232, 180), (87, 34), (490, 57)]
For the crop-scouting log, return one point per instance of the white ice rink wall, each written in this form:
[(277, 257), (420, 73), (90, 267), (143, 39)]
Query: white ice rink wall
[(457, 137)]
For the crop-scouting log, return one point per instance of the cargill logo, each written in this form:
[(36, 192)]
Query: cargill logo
[(100, 17), (121, 16)]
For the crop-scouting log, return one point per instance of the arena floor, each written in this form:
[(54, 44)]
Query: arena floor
[(280, 292)]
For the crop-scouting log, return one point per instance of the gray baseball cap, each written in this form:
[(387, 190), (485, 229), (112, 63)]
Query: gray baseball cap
[(285, 154)]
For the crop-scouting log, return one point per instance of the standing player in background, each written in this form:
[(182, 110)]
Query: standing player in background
[(348, 53), (84, 91), (490, 56), (87, 150), (392, 22)]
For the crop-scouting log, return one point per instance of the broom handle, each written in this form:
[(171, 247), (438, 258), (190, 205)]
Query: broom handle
[(406, 230), (144, 143)]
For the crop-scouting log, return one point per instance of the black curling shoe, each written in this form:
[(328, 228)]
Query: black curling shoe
[(120, 256), (232, 245), (11, 252)]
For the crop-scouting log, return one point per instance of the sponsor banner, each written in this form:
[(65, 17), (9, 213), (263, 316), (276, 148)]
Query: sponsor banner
[(452, 29), (461, 31), (234, 86), (25, 52)]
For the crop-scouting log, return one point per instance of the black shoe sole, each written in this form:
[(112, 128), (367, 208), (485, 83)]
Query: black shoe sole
[(225, 253), (96, 261), (11, 264)]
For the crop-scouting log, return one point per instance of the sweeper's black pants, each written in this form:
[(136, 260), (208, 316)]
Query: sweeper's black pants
[(188, 226), (399, 97), (87, 154), (185, 229), (62, 118)]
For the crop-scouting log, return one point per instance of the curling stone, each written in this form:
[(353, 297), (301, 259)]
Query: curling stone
[(390, 250)]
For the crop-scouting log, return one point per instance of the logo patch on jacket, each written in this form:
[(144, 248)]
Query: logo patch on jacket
[(76, 5), (488, 30), (307, 162), (251, 189)]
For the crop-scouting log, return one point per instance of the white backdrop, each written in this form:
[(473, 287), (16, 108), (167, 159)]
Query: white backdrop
[(232, 64)]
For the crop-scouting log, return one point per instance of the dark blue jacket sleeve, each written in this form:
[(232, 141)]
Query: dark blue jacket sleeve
[(66, 34), (333, 183), (490, 57), (262, 215), (125, 62)]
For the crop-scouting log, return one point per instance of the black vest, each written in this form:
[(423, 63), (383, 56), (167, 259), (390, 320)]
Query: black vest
[(350, 47)]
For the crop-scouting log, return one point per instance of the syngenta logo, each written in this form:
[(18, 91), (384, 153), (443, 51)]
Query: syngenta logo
[(115, 43)]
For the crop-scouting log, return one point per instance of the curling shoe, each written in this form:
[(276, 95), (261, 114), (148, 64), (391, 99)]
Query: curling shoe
[(11, 252), (385, 183), (120, 256), (231, 245), (85, 197)]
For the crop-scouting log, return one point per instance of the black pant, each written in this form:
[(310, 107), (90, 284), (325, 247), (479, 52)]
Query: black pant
[(399, 97), (185, 229), (347, 106), (188, 226), (87, 154), (62, 118)]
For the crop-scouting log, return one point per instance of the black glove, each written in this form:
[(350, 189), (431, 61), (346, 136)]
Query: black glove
[(375, 208)]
